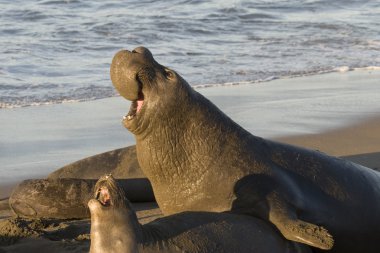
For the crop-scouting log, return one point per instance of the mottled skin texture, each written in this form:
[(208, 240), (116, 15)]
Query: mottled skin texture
[(67, 198), (114, 228), (198, 159), (66, 191)]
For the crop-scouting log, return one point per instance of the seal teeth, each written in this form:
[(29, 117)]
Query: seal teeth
[(132, 111), (128, 117)]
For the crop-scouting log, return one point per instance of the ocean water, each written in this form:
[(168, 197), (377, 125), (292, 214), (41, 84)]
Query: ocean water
[(54, 51)]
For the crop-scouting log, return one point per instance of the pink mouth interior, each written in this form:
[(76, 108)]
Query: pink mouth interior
[(106, 198), (139, 105)]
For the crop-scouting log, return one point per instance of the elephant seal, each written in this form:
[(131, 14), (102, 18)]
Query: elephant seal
[(115, 228), (64, 194), (67, 198), (121, 163), (198, 159)]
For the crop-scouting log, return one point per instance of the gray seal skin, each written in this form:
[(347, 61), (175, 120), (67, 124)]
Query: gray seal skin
[(67, 198), (198, 159), (64, 194), (115, 228)]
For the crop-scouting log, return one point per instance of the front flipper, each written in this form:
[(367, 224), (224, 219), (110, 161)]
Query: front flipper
[(284, 217)]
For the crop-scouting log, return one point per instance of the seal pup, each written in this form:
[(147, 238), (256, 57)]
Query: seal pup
[(115, 228), (198, 159)]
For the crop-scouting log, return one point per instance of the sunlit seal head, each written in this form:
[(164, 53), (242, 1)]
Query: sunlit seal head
[(140, 79), (112, 219)]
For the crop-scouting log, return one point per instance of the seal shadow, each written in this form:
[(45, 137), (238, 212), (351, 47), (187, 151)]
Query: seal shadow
[(267, 198), (255, 201)]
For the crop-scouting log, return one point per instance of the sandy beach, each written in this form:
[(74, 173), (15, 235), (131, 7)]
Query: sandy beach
[(342, 120), (359, 143)]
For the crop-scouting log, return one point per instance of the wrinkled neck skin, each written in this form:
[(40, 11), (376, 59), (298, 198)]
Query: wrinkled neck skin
[(178, 147), (115, 230)]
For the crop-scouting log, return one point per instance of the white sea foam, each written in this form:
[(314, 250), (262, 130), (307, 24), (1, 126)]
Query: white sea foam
[(58, 100), (374, 68), (342, 69)]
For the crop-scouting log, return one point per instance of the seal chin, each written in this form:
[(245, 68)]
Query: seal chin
[(94, 204)]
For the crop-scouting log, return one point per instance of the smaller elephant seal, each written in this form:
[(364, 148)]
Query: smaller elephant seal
[(121, 163), (67, 198), (115, 228)]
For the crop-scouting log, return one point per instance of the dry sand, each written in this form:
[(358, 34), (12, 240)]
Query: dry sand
[(359, 143)]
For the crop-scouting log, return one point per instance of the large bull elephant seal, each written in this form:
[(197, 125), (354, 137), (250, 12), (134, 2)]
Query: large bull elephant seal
[(115, 228), (198, 159)]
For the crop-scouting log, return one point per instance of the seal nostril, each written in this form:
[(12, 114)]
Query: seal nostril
[(143, 51)]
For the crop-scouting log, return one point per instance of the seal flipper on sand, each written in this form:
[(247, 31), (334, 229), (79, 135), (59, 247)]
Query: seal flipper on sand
[(263, 196), (284, 217)]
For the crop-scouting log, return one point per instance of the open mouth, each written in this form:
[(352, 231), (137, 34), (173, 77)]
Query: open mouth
[(103, 196), (135, 107)]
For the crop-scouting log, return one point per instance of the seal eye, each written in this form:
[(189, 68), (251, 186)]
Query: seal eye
[(169, 74)]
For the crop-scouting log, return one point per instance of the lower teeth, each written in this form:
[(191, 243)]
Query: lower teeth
[(128, 117)]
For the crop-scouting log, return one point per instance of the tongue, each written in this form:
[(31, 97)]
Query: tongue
[(139, 105)]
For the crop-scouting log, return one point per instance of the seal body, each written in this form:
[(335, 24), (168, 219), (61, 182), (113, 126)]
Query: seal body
[(121, 163), (66, 198), (65, 193), (198, 159), (114, 228)]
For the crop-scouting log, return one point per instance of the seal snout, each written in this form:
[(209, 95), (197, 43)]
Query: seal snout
[(130, 70), (124, 74), (143, 51), (108, 193)]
